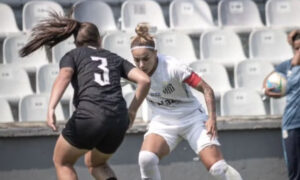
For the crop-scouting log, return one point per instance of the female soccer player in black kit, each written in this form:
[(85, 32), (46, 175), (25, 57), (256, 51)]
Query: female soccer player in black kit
[(98, 125)]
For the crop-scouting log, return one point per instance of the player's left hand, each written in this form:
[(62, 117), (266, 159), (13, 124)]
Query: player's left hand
[(132, 115), (211, 128)]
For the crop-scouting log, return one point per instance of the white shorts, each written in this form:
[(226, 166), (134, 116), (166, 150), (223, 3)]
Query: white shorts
[(191, 128)]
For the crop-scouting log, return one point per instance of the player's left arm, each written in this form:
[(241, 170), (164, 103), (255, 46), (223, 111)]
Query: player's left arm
[(199, 84)]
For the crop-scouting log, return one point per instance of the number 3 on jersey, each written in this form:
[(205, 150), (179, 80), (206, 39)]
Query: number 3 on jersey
[(103, 78)]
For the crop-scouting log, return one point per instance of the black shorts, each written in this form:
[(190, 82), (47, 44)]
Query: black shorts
[(99, 130)]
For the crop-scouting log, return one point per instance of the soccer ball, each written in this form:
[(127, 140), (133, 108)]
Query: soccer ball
[(278, 82)]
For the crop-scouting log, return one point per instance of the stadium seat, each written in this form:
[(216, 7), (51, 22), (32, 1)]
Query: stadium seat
[(283, 14), (11, 46), (191, 17), (250, 74), (45, 78), (277, 105), (96, 12), (35, 11), (5, 112), (221, 46), (269, 45), (14, 83), (119, 43), (176, 44), (242, 102), (8, 24), (134, 12), (214, 74), (35, 107), (59, 50), (239, 15)]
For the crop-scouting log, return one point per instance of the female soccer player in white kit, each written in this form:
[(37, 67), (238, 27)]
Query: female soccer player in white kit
[(176, 113)]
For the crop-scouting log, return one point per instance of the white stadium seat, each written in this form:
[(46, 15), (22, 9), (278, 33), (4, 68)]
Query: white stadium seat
[(45, 78), (250, 74), (35, 11), (5, 112), (214, 74), (134, 12), (11, 46), (96, 12), (8, 24), (192, 17), (242, 102), (59, 50), (35, 107), (221, 46), (14, 83), (277, 105), (119, 43), (283, 14), (269, 45), (178, 45), (239, 15)]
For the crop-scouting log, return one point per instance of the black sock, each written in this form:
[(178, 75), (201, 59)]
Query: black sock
[(112, 178)]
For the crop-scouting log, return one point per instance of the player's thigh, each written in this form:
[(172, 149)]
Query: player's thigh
[(210, 155), (156, 144), (65, 153), (95, 158)]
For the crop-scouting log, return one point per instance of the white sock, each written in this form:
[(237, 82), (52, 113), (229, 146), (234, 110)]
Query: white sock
[(148, 162), (222, 171)]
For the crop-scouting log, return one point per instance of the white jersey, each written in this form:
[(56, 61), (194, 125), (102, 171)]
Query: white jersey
[(168, 94)]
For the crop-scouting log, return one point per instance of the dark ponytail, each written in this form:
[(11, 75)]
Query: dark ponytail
[(58, 28)]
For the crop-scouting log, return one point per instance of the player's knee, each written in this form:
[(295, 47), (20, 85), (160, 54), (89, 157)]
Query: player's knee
[(222, 171), (218, 168), (148, 159), (57, 161)]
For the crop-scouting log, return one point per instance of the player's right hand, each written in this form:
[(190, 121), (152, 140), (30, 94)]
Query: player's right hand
[(271, 93), (51, 120)]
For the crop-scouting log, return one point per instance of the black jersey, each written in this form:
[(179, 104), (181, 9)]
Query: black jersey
[(96, 78)]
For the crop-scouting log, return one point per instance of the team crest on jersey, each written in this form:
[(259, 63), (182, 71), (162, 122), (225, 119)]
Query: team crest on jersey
[(169, 89)]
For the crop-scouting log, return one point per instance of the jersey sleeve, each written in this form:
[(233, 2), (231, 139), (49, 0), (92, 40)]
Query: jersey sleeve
[(67, 61), (282, 67), (182, 72), (126, 66)]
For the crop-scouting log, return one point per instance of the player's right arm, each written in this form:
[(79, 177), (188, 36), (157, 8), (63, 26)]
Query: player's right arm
[(199, 84), (143, 85)]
